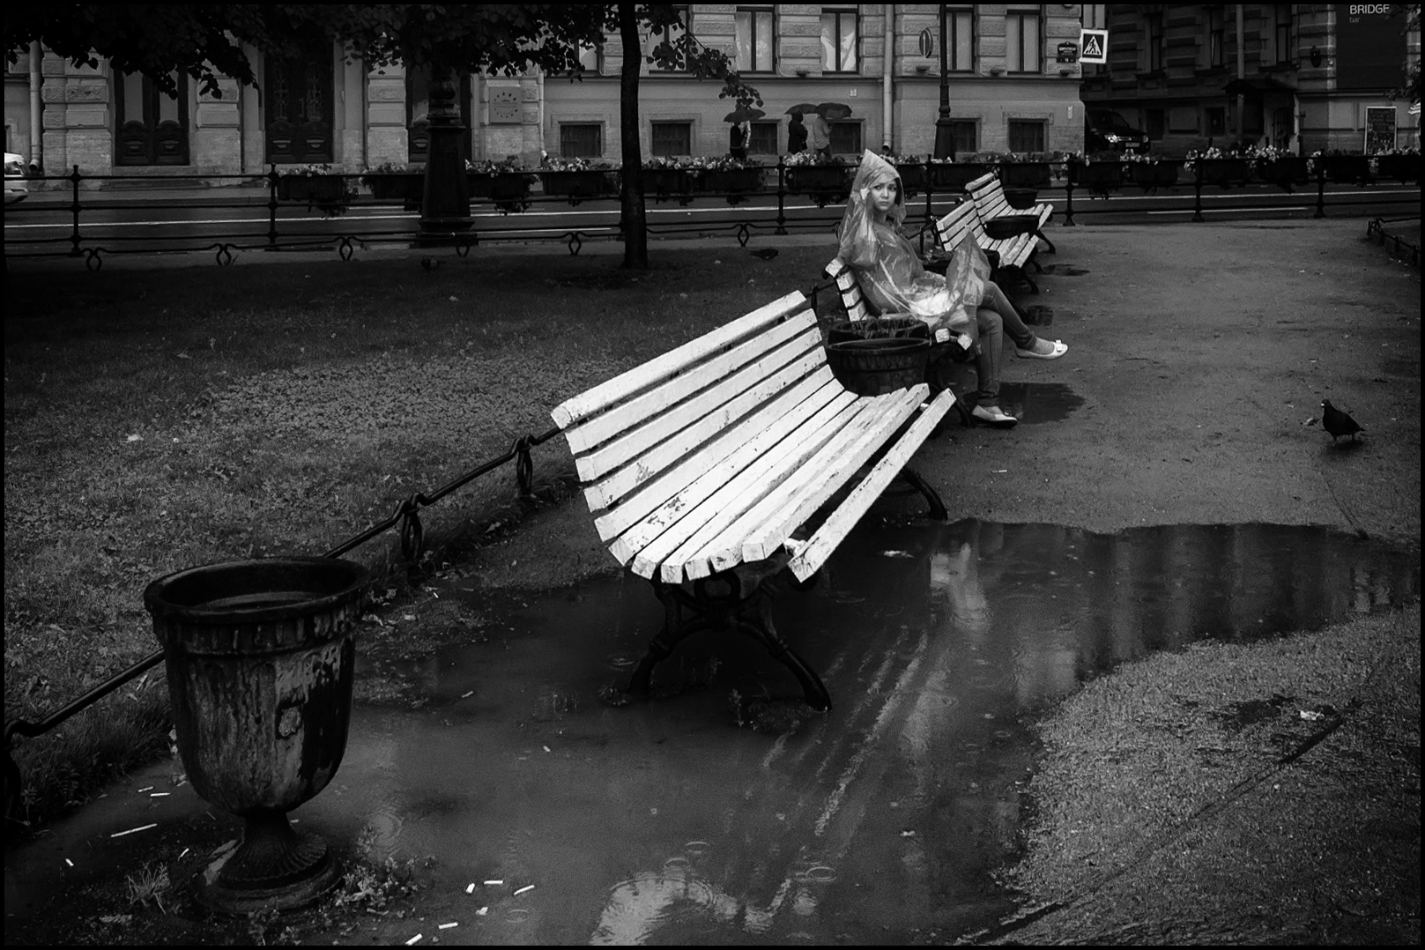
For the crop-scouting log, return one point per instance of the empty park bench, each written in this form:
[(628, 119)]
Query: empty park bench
[(722, 466), (991, 202), (1010, 255)]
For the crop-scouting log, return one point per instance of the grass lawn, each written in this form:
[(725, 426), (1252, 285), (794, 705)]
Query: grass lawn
[(158, 419)]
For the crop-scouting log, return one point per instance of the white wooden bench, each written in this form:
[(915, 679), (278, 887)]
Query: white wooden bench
[(726, 463), (991, 202), (1011, 255)]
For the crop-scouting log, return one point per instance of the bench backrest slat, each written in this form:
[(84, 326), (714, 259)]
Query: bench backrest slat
[(675, 361), (961, 221)]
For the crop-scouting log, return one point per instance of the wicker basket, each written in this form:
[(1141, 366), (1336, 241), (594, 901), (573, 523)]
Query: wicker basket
[(870, 367)]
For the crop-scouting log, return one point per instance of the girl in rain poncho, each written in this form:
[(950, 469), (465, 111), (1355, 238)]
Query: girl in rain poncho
[(965, 300)]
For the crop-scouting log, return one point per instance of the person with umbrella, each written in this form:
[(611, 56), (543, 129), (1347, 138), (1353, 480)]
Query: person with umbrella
[(741, 135), (796, 134), (820, 135)]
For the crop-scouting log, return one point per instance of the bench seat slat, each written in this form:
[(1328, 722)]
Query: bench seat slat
[(668, 452), (633, 508), (778, 525), (831, 466), (674, 361), (657, 427), (601, 428), (834, 529), (739, 493), (684, 502)]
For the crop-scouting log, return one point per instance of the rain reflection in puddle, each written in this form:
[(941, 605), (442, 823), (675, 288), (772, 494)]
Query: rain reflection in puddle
[(880, 820)]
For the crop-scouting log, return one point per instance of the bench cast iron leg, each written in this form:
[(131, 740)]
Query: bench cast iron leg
[(749, 614), (937, 506), (1052, 248)]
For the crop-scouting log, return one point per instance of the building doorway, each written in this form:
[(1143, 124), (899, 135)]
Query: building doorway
[(297, 103), (153, 127)]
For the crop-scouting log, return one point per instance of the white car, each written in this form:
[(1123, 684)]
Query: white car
[(16, 173)]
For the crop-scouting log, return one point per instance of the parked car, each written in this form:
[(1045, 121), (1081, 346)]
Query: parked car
[(17, 187), (1107, 131)]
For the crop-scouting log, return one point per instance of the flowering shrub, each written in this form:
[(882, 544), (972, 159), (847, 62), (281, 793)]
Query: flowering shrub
[(311, 171), (387, 168), (553, 164), (329, 207), (492, 167), (811, 159)]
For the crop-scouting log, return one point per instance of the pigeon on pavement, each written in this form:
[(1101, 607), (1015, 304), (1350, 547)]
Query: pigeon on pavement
[(766, 253), (1338, 423)]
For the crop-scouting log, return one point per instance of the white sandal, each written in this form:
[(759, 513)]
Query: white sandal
[(1059, 350)]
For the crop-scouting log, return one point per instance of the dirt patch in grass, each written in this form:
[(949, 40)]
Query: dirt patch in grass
[(160, 419)]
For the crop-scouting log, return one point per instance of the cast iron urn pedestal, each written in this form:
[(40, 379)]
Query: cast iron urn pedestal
[(260, 657)]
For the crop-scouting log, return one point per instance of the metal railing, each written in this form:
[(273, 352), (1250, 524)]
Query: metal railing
[(941, 184)]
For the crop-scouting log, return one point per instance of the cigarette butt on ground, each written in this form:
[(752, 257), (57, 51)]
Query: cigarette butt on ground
[(120, 834), (467, 694), (453, 923), (527, 887), (494, 882), (69, 862), (482, 912), (470, 888), (148, 789), (414, 939), (159, 794)]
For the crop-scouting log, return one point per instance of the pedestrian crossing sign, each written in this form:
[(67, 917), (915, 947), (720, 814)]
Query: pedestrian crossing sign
[(1094, 46)]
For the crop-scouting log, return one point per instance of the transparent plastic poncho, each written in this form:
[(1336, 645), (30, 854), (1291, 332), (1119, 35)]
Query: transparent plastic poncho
[(889, 270)]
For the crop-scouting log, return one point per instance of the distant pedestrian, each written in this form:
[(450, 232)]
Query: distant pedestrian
[(741, 135), (796, 134), (820, 135)]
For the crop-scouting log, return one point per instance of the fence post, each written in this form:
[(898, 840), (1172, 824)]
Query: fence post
[(1320, 190), (74, 209), (1197, 191), (1068, 196), (272, 207), (781, 196)]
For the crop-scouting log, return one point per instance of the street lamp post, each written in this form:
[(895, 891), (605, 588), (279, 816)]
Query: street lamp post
[(944, 137), (445, 203)]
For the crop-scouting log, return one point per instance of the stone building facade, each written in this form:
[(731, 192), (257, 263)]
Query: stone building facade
[(1313, 76), (1008, 91)]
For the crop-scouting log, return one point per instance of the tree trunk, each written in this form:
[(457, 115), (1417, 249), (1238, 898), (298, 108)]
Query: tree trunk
[(635, 224)]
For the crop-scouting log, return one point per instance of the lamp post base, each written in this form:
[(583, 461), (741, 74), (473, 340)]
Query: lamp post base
[(274, 867)]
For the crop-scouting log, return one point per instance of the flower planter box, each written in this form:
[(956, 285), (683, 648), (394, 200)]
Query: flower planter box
[(313, 189), (1401, 168), (912, 179), (577, 186), (735, 183), (509, 190), (1098, 177), (1347, 168), (1032, 175), (1223, 172), (1153, 175), (822, 185), (666, 184), (1283, 172), (954, 176), (397, 186)]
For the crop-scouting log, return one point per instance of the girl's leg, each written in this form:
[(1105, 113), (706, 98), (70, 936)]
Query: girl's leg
[(1014, 326), (990, 331)]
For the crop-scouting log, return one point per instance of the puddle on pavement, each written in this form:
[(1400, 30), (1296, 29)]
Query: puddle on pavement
[(879, 821), (1036, 403), (1065, 270)]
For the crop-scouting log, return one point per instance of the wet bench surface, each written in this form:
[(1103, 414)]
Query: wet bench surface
[(729, 459)]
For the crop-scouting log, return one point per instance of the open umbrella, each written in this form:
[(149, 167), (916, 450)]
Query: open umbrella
[(833, 110), (805, 108), (743, 114)]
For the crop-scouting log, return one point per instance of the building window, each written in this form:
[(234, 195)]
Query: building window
[(1214, 37), (591, 57), (764, 139), (839, 35), (1154, 30), (756, 42), (846, 137), (1023, 50), (671, 34), (965, 134), (672, 138), (1026, 135), (1155, 121), (960, 40), (581, 140), (1283, 34), (1216, 120)]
